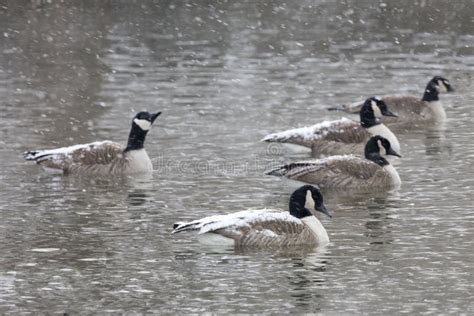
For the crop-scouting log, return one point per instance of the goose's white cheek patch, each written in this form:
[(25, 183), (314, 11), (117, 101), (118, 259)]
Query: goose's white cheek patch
[(382, 149), (442, 87), (376, 109), (309, 201), (143, 124)]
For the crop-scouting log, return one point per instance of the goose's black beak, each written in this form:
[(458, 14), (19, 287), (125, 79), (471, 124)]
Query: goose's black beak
[(322, 208), (450, 88), (154, 116), (388, 113), (393, 153)]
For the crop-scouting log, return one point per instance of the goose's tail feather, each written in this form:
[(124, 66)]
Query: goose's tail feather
[(278, 172), (30, 155), (352, 108), (183, 226), (38, 156), (292, 168), (341, 108)]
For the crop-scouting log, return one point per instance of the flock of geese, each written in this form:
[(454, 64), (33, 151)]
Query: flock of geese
[(358, 157)]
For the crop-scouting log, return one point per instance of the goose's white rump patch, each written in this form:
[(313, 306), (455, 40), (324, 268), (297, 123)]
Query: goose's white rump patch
[(215, 239), (296, 149), (144, 124)]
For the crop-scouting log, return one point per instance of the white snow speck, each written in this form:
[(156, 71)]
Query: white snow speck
[(44, 249), (268, 233), (92, 259)]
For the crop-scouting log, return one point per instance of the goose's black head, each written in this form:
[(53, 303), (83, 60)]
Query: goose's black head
[(436, 86), (378, 146), (144, 120), (373, 109), (141, 124), (305, 201)]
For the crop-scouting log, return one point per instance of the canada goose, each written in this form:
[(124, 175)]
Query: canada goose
[(102, 158), (410, 108), (347, 171), (266, 228), (341, 136)]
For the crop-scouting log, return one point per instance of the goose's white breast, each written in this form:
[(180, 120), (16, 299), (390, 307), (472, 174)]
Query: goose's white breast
[(394, 175), (317, 228), (384, 131), (437, 110), (138, 161)]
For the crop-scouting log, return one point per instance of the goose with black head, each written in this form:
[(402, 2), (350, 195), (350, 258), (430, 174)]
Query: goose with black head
[(267, 227), (342, 136), (348, 171), (102, 158), (411, 109)]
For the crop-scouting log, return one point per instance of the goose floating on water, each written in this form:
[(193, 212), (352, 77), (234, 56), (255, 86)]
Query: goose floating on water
[(342, 136), (347, 171), (411, 109), (102, 158), (266, 228)]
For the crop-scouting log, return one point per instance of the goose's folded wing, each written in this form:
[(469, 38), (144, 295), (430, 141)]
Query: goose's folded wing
[(332, 171), (101, 153), (92, 153), (354, 167), (343, 130), (405, 105), (347, 133), (268, 232)]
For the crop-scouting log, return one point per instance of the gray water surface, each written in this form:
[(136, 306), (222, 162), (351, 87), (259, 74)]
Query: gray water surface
[(224, 74)]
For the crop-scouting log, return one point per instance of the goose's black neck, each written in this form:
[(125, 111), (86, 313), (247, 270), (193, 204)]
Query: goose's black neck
[(431, 93), (367, 117), (375, 157), (136, 139), (297, 204)]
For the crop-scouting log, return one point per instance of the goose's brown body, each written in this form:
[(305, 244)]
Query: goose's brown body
[(411, 111), (340, 172), (99, 159), (104, 158), (270, 234), (259, 228)]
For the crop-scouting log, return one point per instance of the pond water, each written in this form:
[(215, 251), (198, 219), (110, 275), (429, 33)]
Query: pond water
[(224, 74)]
